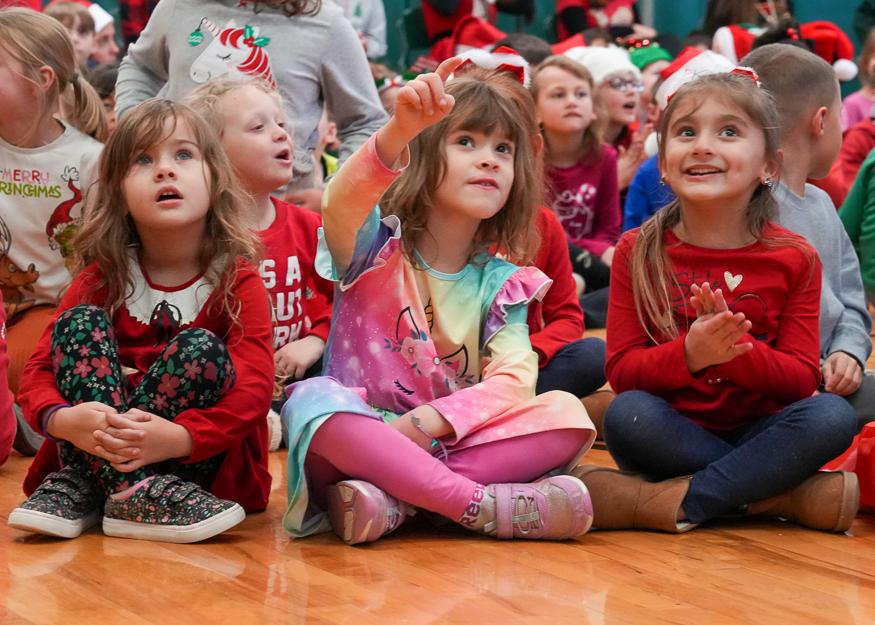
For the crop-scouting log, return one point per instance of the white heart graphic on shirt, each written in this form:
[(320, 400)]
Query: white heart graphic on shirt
[(732, 281)]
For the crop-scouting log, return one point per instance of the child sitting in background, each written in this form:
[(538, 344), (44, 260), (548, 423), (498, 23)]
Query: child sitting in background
[(79, 24), (810, 139), (156, 374), (581, 172), (249, 117), (619, 85)]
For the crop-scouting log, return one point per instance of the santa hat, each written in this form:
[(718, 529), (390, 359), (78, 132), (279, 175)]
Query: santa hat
[(690, 64), (500, 59), (604, 63), (735, 41), (470, 33), (833, 46)]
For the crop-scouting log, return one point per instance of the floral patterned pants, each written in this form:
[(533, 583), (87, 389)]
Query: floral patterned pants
[(193, 371)]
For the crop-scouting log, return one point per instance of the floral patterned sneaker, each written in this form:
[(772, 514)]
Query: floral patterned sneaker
[(66, 504), (166, 509), (360, 512)]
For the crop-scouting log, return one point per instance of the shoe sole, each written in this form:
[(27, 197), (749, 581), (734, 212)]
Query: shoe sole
[(49, 524), (850, 502), (348, 506), (175, 533)]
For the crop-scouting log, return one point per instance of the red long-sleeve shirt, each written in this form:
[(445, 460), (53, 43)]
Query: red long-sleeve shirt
[(558, 320), (775, 283), (301, 297), (236, 424)]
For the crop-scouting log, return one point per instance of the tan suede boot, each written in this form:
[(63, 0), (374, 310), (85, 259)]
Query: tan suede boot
[(596, 404), (622, 500), (825, 501)]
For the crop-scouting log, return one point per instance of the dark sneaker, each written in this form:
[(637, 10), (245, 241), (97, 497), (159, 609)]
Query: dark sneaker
[(66, 504), (167, 509)]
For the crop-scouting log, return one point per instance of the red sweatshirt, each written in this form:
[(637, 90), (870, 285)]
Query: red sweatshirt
[(558, 320), (236, 424), (301, 297), (776, 286)]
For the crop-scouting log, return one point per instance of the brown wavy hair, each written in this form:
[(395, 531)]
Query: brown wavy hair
[(652, 278), (37, 40), (109, 234), (489, 102)]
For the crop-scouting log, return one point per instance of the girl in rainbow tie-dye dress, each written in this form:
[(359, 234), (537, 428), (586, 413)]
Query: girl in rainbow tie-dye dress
[(428, 396)]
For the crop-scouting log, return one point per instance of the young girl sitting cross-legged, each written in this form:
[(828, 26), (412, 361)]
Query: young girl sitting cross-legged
[(154, 379), (428, 398), (713, 339)]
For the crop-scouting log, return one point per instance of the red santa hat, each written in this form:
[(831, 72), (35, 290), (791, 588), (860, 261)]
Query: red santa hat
[(833, 46), (500, 59), (470, 33), (735, 41)]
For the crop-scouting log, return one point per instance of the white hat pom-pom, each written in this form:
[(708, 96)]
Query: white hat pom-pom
[(846, 70), (651, 144)]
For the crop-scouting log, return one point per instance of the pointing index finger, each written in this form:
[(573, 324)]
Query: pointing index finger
[(448, 67)]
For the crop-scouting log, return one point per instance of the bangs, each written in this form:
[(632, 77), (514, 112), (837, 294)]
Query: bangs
[(487, 110)]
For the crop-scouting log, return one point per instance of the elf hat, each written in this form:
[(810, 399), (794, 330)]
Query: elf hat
[(604, 63), (500, 59), (833, 46), (642, 56)]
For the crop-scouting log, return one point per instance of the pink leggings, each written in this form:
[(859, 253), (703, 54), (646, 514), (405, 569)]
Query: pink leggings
[(351, 446)]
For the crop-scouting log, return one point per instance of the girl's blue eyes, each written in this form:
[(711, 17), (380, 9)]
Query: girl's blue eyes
[(504, 148), (182, 155)]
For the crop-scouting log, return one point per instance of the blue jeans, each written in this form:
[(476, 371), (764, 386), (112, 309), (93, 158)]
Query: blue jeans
[(578, 368), (730, 469)]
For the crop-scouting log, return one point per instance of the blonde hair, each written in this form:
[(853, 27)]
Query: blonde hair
[(489, 102), (108, 233), (208, 98), (653, 280), (37, 40), (592, 138)]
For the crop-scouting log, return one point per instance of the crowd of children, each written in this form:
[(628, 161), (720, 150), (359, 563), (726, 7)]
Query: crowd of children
[(191, 278)]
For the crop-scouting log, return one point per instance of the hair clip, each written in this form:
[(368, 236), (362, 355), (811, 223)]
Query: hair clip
[(747, 73)]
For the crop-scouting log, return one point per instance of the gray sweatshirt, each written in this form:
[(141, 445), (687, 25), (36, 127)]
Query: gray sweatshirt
[(845, 323), (313, 60)]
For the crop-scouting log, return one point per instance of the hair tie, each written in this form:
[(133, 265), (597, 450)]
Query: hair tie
[(747, 72), (74, 77), (791, 32)]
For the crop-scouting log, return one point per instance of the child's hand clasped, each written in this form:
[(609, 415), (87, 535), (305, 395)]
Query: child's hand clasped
[(714, 335), (137, 438)]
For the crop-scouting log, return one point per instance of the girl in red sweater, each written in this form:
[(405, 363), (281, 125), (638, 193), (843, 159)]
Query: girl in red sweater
[(713, 338), (134, 383)]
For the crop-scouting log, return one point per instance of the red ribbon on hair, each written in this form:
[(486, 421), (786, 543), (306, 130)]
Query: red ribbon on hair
[(747, 72)]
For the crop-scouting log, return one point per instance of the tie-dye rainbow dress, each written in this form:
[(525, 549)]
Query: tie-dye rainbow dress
[(402, 337)]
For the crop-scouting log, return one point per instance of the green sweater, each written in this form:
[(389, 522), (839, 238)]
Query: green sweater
[(858, 216)]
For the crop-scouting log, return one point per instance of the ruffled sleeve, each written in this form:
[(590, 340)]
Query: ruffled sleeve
[(510, 305), (375, 241)]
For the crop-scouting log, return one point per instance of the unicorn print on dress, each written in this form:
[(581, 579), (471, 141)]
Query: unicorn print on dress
[(232, 50)]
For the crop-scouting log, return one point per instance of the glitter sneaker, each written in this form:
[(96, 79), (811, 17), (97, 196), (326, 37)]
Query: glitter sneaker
[(360, 512)]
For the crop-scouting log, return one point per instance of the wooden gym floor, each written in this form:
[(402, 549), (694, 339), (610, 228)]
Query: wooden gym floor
[(764, 572)]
